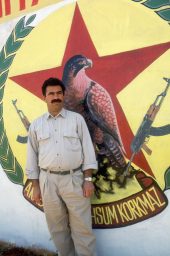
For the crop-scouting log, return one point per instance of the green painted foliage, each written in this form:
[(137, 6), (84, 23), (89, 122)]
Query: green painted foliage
[(2, 56), (156, 4), (12, 45), (167, 179), (1, 94), (3, 79), (4, 147), (20, 29), (30, 20), (6, 63), (7, 159), (1, 126), (165, 14), (7, 163)]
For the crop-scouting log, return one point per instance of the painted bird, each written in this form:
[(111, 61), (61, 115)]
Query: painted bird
[(90, 99)]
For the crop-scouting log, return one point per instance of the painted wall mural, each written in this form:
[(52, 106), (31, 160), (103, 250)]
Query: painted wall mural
[(113, 57)]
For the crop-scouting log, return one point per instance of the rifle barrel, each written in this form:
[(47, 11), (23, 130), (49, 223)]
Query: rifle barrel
[(129, 164)]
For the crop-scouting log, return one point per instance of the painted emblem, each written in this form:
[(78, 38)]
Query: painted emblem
[(102, 84)]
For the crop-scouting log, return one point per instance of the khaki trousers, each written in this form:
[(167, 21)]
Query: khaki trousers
[(68, 213)]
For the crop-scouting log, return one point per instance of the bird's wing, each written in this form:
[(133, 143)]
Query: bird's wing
[(101, 109)]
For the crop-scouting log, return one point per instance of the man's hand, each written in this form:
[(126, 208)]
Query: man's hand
[(88, 188), (36, 192)]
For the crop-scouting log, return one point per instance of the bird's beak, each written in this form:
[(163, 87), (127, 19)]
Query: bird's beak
[(89, 63)]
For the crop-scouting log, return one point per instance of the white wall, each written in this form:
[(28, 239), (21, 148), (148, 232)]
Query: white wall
[(20, 222)]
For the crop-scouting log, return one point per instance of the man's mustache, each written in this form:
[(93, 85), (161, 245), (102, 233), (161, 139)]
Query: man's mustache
[(56, 100)]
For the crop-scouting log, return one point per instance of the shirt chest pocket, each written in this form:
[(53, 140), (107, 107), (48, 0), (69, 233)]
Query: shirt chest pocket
[(71, 141), (44, 141), (42, 136)]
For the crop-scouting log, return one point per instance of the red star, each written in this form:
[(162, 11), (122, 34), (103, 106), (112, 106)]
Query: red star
[(114, 72)]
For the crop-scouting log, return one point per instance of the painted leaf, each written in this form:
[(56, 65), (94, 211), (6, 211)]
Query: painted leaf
[(165, 14), (156, 4), (30, 19), (167, 179)]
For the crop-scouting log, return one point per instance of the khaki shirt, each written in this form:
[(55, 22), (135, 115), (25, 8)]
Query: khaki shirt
[(59, 143)]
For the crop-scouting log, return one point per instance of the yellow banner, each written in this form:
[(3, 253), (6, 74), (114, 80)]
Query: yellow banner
[(10, 9)]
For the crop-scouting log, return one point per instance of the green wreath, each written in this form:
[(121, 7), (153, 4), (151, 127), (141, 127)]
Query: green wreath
[(8, 161)]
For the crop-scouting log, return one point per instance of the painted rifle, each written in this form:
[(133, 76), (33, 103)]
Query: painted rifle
[(146, 130), (25, 121)]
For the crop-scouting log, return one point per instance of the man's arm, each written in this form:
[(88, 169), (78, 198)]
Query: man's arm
[(89, 163), (32, 169)]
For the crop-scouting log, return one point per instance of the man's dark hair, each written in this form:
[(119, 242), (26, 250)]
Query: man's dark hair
[(52, 81)]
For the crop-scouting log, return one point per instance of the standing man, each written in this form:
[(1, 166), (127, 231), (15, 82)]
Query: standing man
[(60, 160)]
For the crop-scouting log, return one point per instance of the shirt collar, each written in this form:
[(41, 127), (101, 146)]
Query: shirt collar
[(62, 113)]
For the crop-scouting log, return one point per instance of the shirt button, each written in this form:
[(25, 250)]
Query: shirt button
[(57, 154), (56, 141)]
